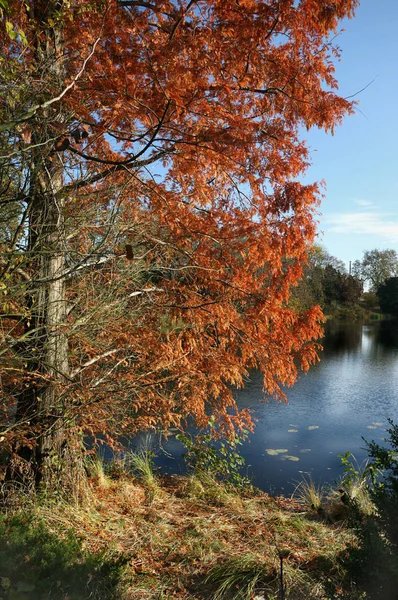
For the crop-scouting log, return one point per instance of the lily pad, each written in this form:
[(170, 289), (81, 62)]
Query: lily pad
[(303, 450), (275, 452), (290, 457), (292, 430), (311, 427)]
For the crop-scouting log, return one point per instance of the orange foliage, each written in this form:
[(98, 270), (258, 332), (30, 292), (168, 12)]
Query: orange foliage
[(180, 143)]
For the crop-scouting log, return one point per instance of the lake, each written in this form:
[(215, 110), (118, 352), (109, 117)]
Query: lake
[(348, 395)]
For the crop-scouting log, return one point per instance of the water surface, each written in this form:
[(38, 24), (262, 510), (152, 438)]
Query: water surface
[(350, 394)]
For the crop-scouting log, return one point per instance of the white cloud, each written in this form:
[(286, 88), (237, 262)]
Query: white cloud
[(364, 203), (365, 223)]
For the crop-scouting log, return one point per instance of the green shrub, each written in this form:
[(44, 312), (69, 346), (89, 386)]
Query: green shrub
[(220, 459), (356, 484)]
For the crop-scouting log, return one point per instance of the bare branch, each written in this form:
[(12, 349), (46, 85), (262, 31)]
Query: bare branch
[(131, 159), (92, 361), (145, 291), (110, 171), (31, 113), (179, 20)]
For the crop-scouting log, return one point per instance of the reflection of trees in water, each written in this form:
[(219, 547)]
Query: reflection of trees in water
[(341, 337), (386, 335), (378, 338), (375, 339)]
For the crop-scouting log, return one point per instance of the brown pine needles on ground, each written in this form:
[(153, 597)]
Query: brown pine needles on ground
[(189, 541)]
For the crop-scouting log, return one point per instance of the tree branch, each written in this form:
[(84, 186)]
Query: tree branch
[(132, 159), (92, 361), (110, 171), (31, 113)]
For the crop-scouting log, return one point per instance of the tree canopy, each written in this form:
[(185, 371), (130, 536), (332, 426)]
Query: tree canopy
[(326, 282), (387, 293), (376, 266), (152, 218)]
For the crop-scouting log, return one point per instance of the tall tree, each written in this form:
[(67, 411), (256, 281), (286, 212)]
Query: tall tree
[(325, 282), (377, 266), (152, 221), (320, 257)]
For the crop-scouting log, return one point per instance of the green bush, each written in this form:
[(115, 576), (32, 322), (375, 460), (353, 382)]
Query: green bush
[(218, 458), (357, 482), (387, 294)]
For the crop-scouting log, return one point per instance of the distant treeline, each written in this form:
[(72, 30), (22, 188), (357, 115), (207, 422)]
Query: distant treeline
[(341, 294)]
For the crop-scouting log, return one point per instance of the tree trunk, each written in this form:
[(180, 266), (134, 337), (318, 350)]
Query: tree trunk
[(58, 452), (52, 460)]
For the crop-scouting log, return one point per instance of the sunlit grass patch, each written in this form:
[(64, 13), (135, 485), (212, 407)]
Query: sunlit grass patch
[(96, 468), (354, 486), (311, 495), (238, 578), (141, 465)]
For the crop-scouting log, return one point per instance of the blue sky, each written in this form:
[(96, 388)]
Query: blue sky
[(360, 162)]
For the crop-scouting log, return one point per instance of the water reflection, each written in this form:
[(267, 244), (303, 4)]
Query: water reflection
[(341, 338), (387, 335)]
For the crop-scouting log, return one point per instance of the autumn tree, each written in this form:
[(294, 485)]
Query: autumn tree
[(152, 218)]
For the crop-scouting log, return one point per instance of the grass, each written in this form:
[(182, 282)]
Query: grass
[(238, 578), (311, 495), (337, 503), (189, 539), (141, 465), (36, 563), (97, 470), (356, 483), (358, 493)]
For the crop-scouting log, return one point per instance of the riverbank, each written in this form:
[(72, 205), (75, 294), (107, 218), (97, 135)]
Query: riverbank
[(188, 538)]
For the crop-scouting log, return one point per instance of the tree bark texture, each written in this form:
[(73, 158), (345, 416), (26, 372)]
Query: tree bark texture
[(53, 462)]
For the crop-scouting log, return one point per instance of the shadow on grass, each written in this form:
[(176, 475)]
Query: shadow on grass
[(373, 565), (36, 565)]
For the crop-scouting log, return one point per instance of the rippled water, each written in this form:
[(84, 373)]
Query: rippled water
[(350, 394)]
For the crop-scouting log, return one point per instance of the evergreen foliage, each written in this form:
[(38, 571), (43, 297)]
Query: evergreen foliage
[(387, 294)]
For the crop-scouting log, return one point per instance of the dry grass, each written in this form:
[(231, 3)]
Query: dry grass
[(189, 542), (96, 468), (310, 494)]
